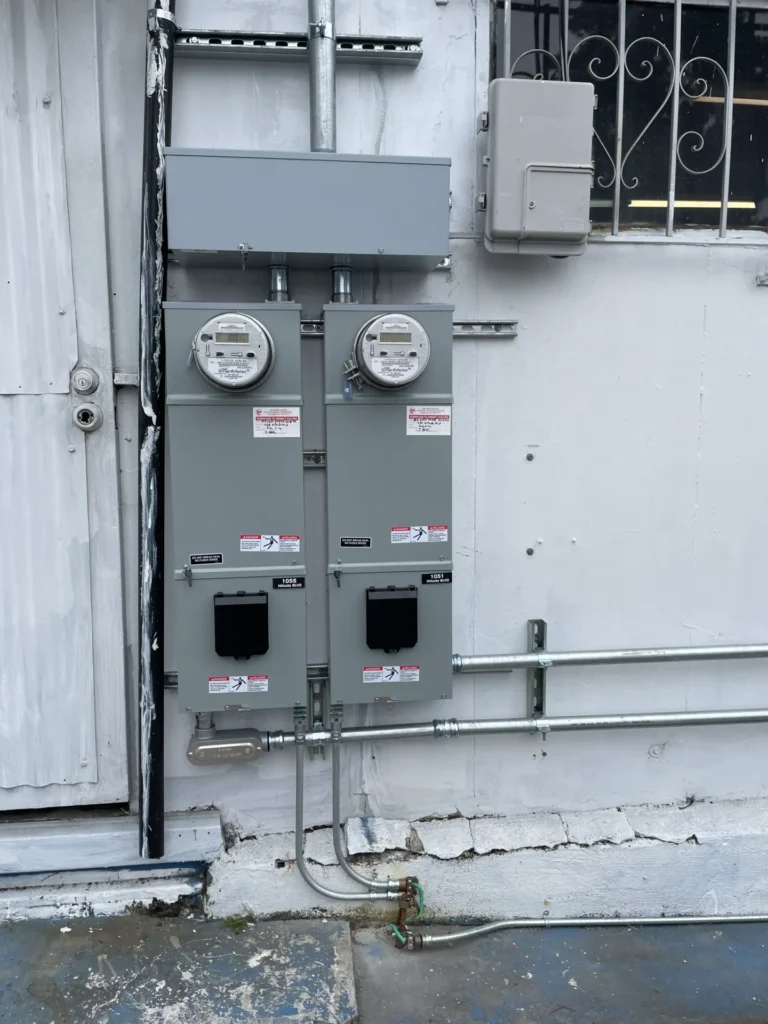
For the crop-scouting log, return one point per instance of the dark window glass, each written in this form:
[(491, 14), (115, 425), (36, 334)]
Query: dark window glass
[(649, 94)]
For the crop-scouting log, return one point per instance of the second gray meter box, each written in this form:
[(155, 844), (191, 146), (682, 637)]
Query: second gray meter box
[(388, 398), (539, 166)]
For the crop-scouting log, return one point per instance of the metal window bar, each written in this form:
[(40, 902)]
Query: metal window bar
[(681, 89)]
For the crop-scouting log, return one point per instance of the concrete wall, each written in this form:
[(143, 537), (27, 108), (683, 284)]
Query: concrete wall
[(637, 382)]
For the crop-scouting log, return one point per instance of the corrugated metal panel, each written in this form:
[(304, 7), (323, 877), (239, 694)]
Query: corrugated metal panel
[(47, 714), (40, 349)]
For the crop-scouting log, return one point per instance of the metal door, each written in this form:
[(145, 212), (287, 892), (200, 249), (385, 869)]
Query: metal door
[(62, 674)]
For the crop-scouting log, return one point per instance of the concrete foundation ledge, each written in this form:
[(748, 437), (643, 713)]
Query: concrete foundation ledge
[(697, 859)]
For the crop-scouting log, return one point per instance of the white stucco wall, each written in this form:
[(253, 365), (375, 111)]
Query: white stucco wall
[(638, 382)]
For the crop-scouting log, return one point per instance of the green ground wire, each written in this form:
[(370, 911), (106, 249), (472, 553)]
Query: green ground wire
[(398, 933), (420, 891)]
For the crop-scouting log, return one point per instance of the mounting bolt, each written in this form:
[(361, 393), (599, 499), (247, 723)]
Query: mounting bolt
[(531, 205), (529, 457), (381, 248), (529, 551)]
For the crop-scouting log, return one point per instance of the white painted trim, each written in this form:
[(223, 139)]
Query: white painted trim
[(95, 843), (85, 899)]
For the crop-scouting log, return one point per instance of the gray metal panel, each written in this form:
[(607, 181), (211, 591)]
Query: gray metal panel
[(284, 663), (47, 721), (350, 653), (540, 165), (40, 344), (338, 203), (379, 478), (225, 483)]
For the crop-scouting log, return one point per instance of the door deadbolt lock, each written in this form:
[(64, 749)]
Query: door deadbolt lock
[(84, 380), (87, 417)]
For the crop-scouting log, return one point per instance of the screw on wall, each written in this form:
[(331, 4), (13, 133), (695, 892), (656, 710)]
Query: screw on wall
[(529, 551), (529, 457)]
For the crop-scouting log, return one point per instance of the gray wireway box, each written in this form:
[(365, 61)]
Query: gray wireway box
[(232, 494), (388, 211), (389, 511), (539, 166)]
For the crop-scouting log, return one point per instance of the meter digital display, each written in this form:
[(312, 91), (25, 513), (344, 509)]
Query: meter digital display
[(225, 338), (391, 350), (234, 370)]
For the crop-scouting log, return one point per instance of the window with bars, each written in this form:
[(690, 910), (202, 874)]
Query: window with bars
[(682, 102)]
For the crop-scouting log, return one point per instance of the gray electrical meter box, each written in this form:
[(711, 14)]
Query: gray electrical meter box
[(388, 395), (236, 529), (539, 166)]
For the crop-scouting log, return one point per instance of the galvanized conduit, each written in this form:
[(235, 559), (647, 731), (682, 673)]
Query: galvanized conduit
[(573, 723), (375, 884), (349, 897), (419, 941), (463, 663)]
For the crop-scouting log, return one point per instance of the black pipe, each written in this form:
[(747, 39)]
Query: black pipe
[(154, 254)]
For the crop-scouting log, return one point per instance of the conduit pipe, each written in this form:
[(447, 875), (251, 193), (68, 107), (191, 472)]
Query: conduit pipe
[(349, 897), (322, 75), (463, 663), (419, 941), (571, 723), (380, 885)]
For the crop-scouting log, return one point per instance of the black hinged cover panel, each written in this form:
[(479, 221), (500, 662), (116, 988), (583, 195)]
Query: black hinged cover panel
[(391, 618), (241, 624)]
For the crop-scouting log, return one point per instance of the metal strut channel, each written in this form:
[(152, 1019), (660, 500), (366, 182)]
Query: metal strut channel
[(397, 51), (496, 330)]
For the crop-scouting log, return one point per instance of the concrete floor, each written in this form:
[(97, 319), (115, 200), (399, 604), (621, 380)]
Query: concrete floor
[(144, 970)]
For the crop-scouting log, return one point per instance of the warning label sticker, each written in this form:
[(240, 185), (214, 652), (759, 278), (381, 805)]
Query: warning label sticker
[(418, 534), (232, 371), (394, 368), (276, 542), (274, 422), (391, 674), (434, 420), (238, 684), (209, 558), (400, 534)]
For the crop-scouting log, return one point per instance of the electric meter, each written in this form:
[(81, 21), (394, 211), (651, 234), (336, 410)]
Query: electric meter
[(391, 350), (234, 351)]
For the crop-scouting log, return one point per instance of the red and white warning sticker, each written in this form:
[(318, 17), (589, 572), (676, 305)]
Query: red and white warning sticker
[(434, 420), (419, 534), (238, 684), (274, 542), (391, 674), (275, 422)]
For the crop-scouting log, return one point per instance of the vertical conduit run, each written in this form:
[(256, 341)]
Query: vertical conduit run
[(322, 75), (157, 130)]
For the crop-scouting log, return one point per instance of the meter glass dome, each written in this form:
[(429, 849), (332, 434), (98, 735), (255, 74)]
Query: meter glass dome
[(392, 350), (234, 351)]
